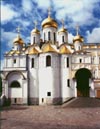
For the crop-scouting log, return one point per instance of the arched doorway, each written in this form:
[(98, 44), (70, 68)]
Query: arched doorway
[(82, 77)]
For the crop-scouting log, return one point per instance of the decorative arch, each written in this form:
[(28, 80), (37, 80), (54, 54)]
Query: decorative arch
[(12, 72)]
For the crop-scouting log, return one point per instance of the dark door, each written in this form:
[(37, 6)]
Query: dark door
[(82, 77)]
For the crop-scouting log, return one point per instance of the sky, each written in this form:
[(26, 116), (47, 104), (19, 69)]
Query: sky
[(23, 13)]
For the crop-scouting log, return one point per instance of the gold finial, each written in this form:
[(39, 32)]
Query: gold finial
[(49, 11), (18, 30), (62, 22), (77, 30)]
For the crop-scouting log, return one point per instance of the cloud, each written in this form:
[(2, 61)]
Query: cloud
[(70, 37), (8, 37), (94, 36), (27, 5), (44, 4), (78, 11), (7, 13)]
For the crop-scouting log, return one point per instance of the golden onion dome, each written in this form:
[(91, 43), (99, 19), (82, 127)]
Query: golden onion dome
[(35, 31), (78, 38), (62, 30), (64, 50), (48, 48), (49, 22), (18, 40)]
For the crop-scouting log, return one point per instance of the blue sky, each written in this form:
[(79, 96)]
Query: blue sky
[(23, 13)]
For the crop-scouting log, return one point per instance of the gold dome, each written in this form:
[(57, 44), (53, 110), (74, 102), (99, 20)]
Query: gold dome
[(48, 48), (33, 51), (35, 31), (78, 38), (49, 22), (64, 50), (19, 40), (62, 30)]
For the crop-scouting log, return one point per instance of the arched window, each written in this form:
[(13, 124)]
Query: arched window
[(63, 39), (49, 36), (15, 84), (44, 36), (48, 61), (54, 36), (32, 63)]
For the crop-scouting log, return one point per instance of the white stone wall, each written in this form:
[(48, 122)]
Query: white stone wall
[(78, 46), (37, 38), (67, 90), (20, 61), (33, 77), (49, 78), (59, 37), (52, 30)]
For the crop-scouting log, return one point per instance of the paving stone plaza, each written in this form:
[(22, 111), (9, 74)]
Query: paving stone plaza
[(83, 113)]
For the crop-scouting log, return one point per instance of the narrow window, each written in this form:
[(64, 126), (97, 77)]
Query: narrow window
[(33, 39), (15, 100), (44, 36), (14, 61), (54, 36), (63, 39), (68, 82), (42, 100), (80, 60), (49, 36), (67, 62), (48, 93), (32, 62), (48, 61)]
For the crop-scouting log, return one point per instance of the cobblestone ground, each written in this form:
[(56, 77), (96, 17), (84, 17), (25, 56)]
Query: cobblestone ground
[(50, 117)]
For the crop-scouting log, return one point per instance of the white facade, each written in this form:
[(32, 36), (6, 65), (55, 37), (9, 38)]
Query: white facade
[(46, 72)]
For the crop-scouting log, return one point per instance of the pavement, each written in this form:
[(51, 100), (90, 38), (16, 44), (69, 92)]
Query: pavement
[(79, 113)]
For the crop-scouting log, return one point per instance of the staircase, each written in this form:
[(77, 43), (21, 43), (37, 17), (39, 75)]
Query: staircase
[(82, 102)]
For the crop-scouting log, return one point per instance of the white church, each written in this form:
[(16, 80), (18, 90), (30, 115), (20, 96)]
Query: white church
[(50, 70)]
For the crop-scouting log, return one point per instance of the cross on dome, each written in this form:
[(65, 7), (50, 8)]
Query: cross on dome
[(49, 11), (62, 21), (18, 30), (35, 23), (77, 30)]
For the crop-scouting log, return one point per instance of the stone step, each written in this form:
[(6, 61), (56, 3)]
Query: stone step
[(82, 102)]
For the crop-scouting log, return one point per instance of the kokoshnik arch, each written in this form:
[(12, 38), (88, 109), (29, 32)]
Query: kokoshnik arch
[(50, 70)]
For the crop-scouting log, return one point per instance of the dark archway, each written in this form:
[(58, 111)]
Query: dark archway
[(15, 84), (82, 76)]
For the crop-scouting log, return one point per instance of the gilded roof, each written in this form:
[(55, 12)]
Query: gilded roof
[(33, 51), (64, 50), (48, 48)]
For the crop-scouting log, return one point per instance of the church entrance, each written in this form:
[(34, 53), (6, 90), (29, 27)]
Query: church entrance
[(82, 78)]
